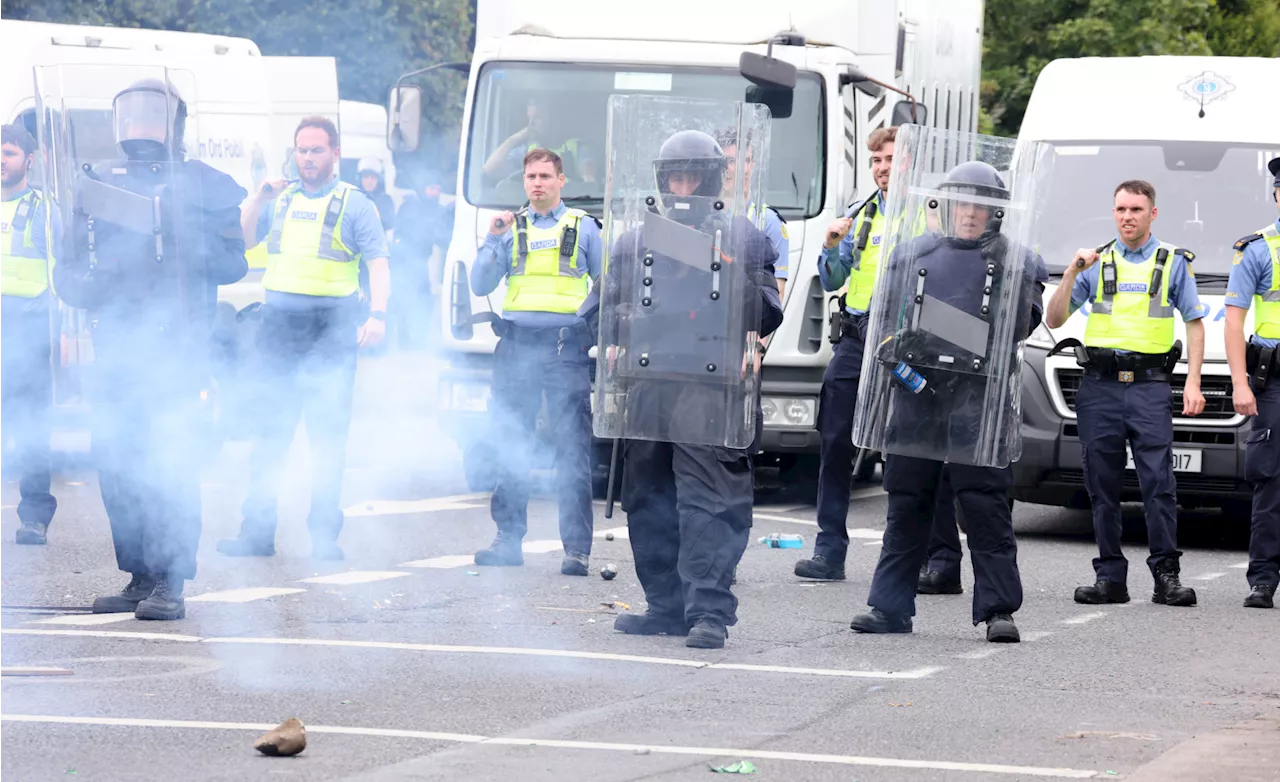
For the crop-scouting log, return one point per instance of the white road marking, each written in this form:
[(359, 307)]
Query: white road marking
[(1208, 577), (874, 543), (542, 743), (919, 673), (243, 595), (1082, 618), (871, 491), (86, 619), (354, 577), (619, 533), (407, 507), (1240, 566), (119, 634), (443, 563), (855, 532)]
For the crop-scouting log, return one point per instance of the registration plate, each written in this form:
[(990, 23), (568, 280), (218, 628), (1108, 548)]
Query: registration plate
[(1184, 460)]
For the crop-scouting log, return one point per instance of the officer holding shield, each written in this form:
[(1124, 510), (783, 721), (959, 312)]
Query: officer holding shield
[(149, 237), (1254, 281), (688, 291), (957, 305)]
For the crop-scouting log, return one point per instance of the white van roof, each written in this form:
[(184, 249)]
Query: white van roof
[(1156, 98)]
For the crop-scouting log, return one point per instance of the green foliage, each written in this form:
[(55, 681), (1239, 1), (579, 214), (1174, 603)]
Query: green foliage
[(1022, 36)]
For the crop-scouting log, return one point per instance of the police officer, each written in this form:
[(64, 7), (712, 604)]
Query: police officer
[(152, 305), (775, 225), (689, 506), (26, 377), (1133, 283), (1254, 280), (850, 262), (318, 233), (549, 254), (954, 261)]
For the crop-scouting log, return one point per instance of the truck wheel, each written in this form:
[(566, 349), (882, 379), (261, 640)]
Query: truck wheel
[(477, 465)]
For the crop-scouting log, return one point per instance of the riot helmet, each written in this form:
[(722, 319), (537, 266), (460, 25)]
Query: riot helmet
[(150, 120), (978, 185), (690, 167)]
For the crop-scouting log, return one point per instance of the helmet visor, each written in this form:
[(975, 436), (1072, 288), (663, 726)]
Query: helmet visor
[(144, 115)]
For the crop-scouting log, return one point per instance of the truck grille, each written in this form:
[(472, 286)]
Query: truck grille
[(1216, 389), (1187, 483)]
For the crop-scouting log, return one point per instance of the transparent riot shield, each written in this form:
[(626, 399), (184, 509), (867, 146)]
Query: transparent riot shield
[(112, 140), (941, 375), (680, 302)]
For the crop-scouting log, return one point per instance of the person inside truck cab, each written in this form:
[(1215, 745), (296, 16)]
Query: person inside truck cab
[(1254, 281), (546, 129), (1135, 283)]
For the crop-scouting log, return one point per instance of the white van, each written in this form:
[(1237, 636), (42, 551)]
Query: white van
[(1201, 129), (573, 60)]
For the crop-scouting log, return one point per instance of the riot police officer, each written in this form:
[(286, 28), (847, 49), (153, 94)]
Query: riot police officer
[(1135, 282), (688, 504), (1256, 393), (150, 236), (956, 270), (849, 264), (27, 379)]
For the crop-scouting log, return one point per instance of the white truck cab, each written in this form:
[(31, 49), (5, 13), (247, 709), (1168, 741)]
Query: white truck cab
[(1201, 130), (562, 64)]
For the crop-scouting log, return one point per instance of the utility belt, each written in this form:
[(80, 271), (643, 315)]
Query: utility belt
[(1261, 365), (1107, 364), (840, 322)]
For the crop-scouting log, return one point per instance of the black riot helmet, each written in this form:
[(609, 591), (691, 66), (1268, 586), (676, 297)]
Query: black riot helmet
[(973, 182), (689, 152), (150, 120)]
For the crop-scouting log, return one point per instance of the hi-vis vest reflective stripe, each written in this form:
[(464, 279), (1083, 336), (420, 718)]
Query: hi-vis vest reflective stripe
[(25, 270), (1266, 320), (305, 251), (1138, 316), (569, 147), (545, 274), (866, 262)]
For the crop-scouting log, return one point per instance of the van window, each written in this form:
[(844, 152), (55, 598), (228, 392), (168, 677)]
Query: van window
[(572, 102), (1208, 196)]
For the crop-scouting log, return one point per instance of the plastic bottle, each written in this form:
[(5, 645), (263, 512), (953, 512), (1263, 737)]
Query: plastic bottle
[(778, 540)]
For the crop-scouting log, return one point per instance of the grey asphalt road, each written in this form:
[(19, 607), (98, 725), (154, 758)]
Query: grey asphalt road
[(407, 663)]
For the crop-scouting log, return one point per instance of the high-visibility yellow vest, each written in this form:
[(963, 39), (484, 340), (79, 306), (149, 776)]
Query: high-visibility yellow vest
[(866, 263), (569, 147), (25, 269), (305, 251), (545, 273), (1132, 318), (1266, 316)]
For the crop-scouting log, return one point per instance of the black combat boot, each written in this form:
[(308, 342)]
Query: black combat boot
[(165, 602), (32, 533), (1002, 630), (651, 624), (575, 563), (820, 568), (140, 586), (877, 621), (504, 551), (1262, 596), (932, 582), (1169, 589), (707, 634), (1102, 592)]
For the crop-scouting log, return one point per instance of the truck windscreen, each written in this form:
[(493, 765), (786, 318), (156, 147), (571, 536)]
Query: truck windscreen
[(1208, 195), (565, 107)]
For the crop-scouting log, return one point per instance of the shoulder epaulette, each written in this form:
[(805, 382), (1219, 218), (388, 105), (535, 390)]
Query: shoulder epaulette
[(1185, 253), (776, 212), (1244, 241)]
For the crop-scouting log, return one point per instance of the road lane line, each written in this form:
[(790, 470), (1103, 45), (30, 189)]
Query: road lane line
[(86, 619), (1240, 566), (451, 561), (1083, 618), (116, 634), (1208, 577), (354, 577), (541, 546), (243, 595), (409, 507), (872, 491), (919, 673), (544, 743)]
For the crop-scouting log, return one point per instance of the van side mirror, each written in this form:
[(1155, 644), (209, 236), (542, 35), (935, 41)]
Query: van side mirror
[(860, 81), (909, 112), (778, 101), (767, 71), (404, 118), (460, 322)]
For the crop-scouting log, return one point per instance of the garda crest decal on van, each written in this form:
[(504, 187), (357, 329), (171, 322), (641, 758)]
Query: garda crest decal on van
[(1206, 87)]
